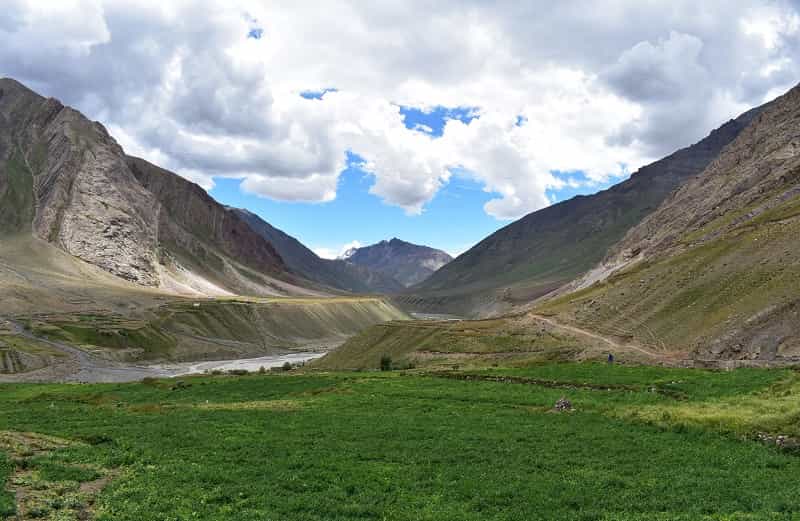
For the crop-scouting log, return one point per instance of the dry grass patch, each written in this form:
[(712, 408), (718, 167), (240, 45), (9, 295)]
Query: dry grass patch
[(775, 410), (256, 405)]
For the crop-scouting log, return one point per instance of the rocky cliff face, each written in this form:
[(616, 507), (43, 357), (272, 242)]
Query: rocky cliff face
[(405, 262), (715, 270), (64, 179), (85, 199), (550, 247)]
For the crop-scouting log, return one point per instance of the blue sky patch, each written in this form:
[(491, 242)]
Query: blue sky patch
[(577, 183), (255, 33), (356, 214), (316, 94), (433, 120), (454, 220)]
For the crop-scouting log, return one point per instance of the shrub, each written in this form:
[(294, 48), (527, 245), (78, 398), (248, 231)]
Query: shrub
[(97, 439), (287, 366), (401, 365), (386, 363)]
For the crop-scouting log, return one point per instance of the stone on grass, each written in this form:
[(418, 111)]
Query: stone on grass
[(563, 405)]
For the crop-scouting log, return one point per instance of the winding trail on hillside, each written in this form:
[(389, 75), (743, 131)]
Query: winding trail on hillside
[(81, 357), (81, 366), (668, 358)]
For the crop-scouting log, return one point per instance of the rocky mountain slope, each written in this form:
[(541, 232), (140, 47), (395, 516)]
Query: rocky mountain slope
[(338, 274), (715, 271), (407, 263), (550, 247), (100, 254), (65, 180)]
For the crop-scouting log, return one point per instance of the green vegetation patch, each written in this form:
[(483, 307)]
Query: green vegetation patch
[(16, 201), (49, 469), (774, 409), (7, 507), (111, 332), (400, 445)]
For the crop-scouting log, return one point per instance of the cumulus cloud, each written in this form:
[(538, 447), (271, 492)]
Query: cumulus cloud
[(188, 85)]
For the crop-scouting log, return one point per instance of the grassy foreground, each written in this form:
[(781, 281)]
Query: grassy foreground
[(642, 443)]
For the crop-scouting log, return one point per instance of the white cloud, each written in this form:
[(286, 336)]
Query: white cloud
[(336, 252), (180, 83)]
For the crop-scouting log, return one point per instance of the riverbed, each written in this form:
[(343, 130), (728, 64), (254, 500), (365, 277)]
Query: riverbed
[(242, 364)]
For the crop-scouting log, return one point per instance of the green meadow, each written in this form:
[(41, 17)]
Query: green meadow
[(641, 443)]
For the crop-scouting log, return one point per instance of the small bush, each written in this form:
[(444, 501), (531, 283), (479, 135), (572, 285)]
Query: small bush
[(287, 366), (403, 364), (386, 363), (97, 439)]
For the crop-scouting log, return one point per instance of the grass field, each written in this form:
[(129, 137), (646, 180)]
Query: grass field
[(641, 443), (6, 499)]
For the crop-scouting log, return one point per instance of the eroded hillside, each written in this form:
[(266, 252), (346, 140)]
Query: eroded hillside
[(715, 270)]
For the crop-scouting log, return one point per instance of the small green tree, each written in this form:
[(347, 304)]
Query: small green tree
[(287, 366), (386, 363)]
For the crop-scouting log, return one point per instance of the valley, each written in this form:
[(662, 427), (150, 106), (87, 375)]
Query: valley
[(631, 354), (161, 341)]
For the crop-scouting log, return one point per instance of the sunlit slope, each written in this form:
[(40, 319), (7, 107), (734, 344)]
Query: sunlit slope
[(509, 340), (273, 324), (36, 277), (716, 270)]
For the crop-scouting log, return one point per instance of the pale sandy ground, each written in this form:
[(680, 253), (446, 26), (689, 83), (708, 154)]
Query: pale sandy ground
[(246, 364)]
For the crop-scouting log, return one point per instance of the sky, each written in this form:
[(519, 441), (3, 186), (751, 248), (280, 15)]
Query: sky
[(349, 122)]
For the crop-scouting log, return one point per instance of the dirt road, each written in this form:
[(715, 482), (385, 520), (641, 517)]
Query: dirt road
[(666, 358)]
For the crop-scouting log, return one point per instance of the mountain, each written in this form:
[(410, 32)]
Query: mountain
[(66, 181), (101, 255), (403, 261), (715, 270), (338, 274), (547, 248)]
